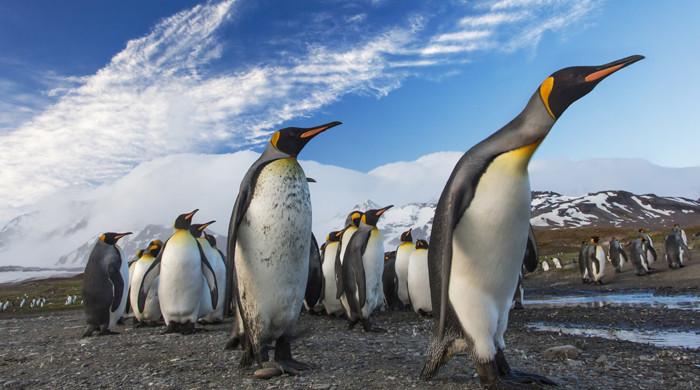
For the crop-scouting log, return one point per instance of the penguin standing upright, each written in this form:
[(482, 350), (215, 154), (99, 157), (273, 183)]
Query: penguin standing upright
[(330, 250), (362, 269), (179, 268), (127, 311), (390, 282), (314, 283), (418, 282), (583, 263), (105, 285), (676, 249), (352, 223), (595, 259), (268, 248), (403, 257), (150, 314), (650, 255), (637, 256), (617, 254), (209, 313), (480, 232)]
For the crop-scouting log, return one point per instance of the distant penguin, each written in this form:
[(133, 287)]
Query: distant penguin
[(480, 231), (595, 256), (209, 314), (650, 256), (530, 261), (330, 250), (418, 281), (583, 263), (352, 222), (617, 254), (556, 262), (179, 268), (150, 314), (403, 256), (362, 269), (268, 249), (314, 283), (545, 266), (676, 250), (638, 256), (105, 285), (390, 282)]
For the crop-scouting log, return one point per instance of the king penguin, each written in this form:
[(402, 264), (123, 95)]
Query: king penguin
[(390, 282), (418, 281), (328, 253), (617, 254), (150, 314), (132, 262), (595, 259), (403, 256), (268, 248), (352, 222), (105, 285), (179, 268), (362, 268), (650, 255), (208, 313), (480, 232)]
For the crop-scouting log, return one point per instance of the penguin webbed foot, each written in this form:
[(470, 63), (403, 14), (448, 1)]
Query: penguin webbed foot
[(368, 327), (89, 331), (107, 332), (284, 360)]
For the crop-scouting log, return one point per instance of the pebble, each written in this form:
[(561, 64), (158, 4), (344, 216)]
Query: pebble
[(561, 352)]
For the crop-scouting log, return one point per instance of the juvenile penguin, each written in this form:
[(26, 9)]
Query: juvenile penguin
[(473, 270), (105, 285), (179, 268), (403, 258), (418, 282), (617, 254), (150, 314), (268, 248), (314, 283), (208, 313), (362, 268), (330, 250), (390, 282), (595, 258)]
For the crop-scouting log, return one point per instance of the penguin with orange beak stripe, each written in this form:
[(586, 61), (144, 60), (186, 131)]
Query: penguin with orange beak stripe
[(473, 271), (268, 250), (362, 269), (105, 285)]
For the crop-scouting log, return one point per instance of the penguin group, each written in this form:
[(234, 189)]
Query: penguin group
[(465, 276), (176, 283)]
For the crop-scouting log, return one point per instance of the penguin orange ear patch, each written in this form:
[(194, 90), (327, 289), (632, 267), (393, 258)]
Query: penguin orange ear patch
[(102, 237), (545, 91)]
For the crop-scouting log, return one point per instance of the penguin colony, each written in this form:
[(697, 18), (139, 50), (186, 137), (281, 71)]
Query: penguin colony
[(467, 276)]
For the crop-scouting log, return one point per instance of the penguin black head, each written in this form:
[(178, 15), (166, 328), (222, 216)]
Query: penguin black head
[(291, 140), (421, 244), (388, 256), (334, 236), (354, 218), (211, 239), (406, 236), (370, 217), (184, 221), (111, 238), (567, 85), (595, 239), (198, 228), (154, 247), (641, 230)]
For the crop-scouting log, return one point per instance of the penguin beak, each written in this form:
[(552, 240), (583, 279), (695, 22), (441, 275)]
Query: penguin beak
[(204, 226), (381, 211), (191, 214), (120, 235), (314, 131), (606, 70)]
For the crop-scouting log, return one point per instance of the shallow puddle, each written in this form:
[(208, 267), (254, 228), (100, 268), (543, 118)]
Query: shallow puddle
[(655, 337), (641, 299)]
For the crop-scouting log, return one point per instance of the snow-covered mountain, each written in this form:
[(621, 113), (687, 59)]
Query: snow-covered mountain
[(129, 244)]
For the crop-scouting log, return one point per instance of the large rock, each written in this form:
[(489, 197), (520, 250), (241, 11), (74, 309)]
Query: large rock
[(561, 352)]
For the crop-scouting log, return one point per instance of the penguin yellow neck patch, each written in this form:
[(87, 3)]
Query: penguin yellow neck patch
[(516, 160), (545, 91)]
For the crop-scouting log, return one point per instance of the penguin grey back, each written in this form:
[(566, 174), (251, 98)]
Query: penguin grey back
[(102, 283)]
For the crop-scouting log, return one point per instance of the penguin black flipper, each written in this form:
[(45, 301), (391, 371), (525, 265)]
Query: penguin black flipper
[(531, 255), (339, 288), (353, 262), (314, 284), (115, 276), (210, 276), (245, 195), (149, 277)]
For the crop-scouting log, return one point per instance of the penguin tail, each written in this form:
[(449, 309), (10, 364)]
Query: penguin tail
[(436, 356)]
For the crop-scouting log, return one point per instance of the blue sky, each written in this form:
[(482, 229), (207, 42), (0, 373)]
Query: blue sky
[(90, 89)]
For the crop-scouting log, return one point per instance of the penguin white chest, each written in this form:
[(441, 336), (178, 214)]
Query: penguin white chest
[(330, 302), (272, 249), (403, 256), (180, 283), (373, 263), (488, 243)]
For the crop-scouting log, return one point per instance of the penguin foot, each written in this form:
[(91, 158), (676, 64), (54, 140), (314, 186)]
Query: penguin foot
[(497, 375), (233, 343), (107, 332), (89, 331), (368, 327)]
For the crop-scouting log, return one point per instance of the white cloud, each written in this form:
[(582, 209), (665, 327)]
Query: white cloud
[(158, 96)]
